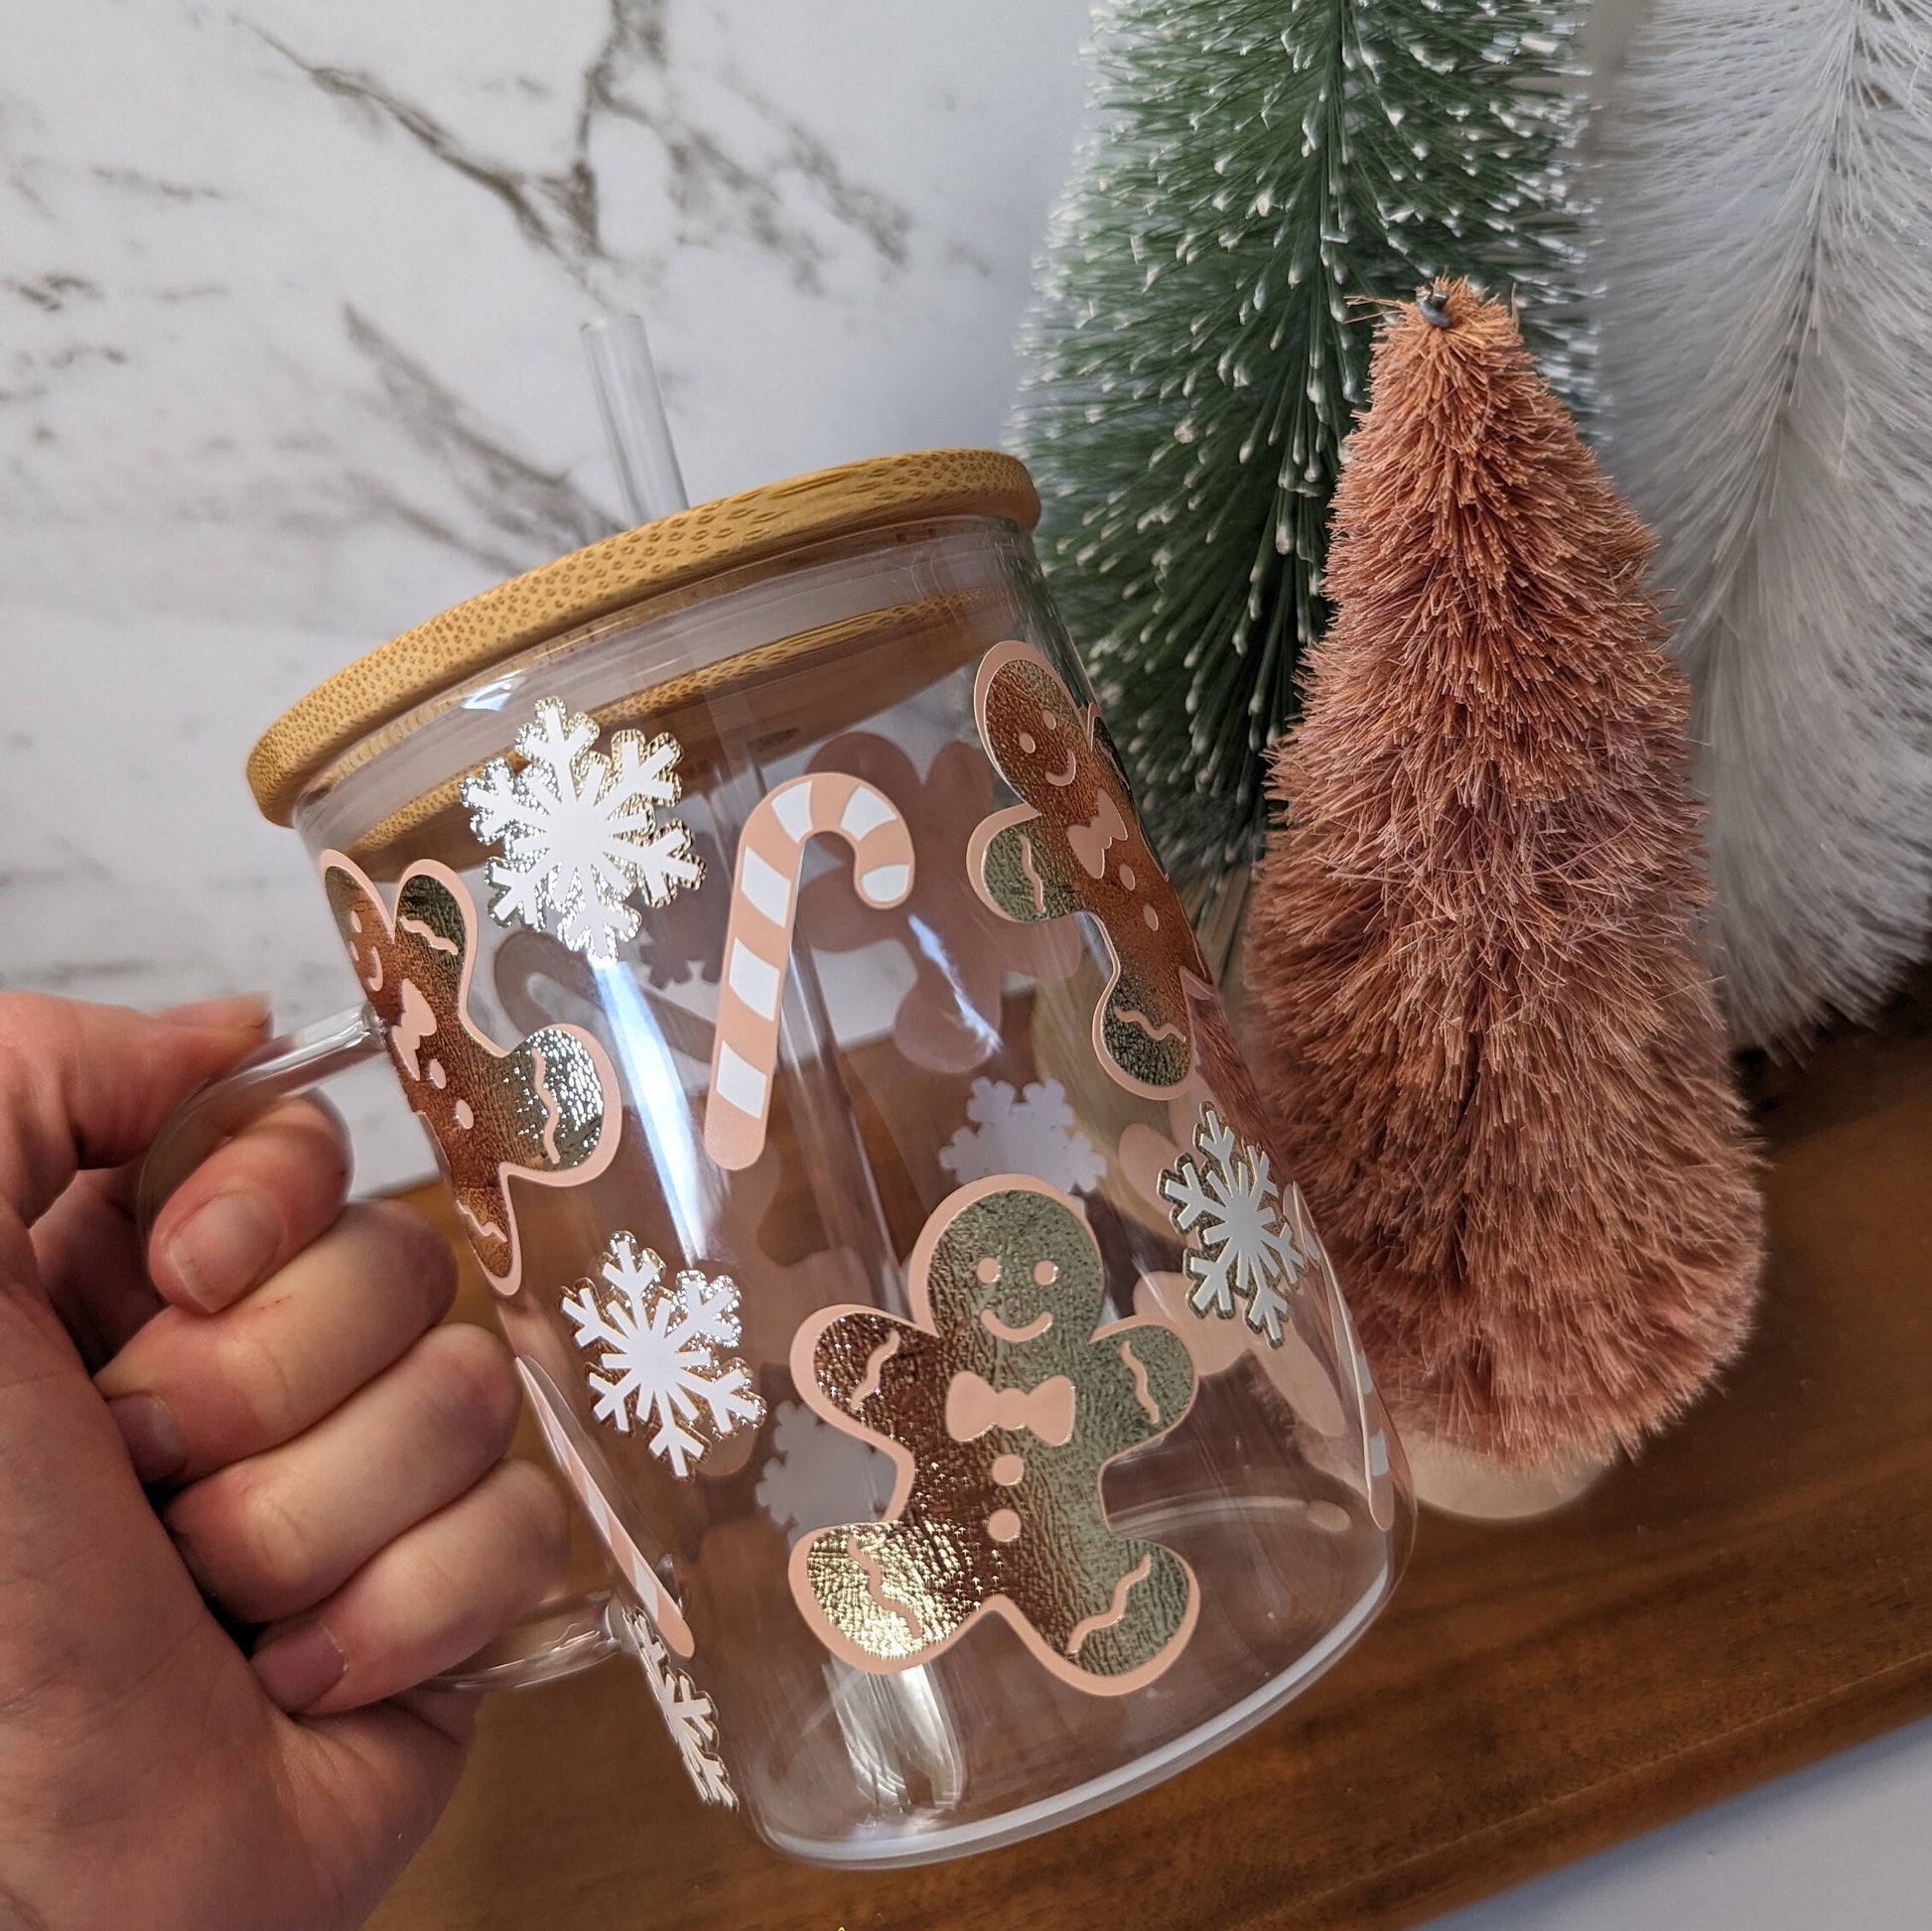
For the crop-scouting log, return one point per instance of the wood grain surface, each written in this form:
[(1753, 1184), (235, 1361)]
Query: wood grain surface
[(1756, 1594)]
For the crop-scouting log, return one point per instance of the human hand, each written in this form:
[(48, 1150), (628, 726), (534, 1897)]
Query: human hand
[(320, 1456)]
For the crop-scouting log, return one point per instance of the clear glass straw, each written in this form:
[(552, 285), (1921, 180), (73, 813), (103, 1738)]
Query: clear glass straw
[(632, 408)]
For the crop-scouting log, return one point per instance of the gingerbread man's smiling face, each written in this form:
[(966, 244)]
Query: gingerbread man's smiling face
[(1020, 1266), (1076, 846), (1065, 764)]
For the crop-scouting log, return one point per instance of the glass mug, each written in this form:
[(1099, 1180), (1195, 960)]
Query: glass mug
[(753, 907)]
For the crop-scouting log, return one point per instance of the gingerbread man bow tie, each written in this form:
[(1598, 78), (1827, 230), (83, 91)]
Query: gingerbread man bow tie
[(973, 1407)]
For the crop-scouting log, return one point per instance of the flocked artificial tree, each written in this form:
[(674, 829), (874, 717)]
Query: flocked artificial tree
[(1252, 165), (1480, 1004), (1767, 335)]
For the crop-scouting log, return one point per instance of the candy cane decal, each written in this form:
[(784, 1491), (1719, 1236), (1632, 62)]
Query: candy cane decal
[(758, 941)]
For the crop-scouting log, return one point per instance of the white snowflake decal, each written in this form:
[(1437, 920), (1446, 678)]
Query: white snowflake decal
[(688, 1713), (817, 1475), (1241, 1248), (580, 831), (1031, 1133), (664, 1351)]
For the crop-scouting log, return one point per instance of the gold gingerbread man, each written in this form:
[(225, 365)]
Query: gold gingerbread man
[(1000, 1402), (548, 1109), (1076, 845)]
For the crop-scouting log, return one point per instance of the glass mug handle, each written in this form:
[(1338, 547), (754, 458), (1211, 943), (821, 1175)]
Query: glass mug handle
[(556, 1640)]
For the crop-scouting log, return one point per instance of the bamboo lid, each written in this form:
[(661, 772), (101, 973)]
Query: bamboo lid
[(672, 553), (810, 679)]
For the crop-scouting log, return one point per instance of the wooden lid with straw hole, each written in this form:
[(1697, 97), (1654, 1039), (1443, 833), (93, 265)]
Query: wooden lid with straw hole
[(672, 553)]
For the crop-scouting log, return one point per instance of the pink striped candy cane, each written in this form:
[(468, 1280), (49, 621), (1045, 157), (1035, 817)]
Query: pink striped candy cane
[(758, 941)]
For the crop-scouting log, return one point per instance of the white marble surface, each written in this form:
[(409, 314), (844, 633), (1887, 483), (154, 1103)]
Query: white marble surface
[(288, 303), (288, 300)]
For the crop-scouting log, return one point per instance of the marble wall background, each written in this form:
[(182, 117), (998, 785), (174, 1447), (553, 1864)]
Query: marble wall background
[(289, 298)]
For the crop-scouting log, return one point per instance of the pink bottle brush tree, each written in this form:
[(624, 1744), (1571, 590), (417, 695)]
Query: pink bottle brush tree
[(1482, 1007)]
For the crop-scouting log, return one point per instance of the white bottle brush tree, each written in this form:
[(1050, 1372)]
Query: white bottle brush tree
[(1767, 342), (1198, 351)]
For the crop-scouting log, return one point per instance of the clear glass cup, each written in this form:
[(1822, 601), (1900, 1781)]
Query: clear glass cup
[(979, 1435)]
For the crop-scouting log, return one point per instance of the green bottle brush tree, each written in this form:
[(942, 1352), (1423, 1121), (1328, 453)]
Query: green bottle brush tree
[(1199, 348)]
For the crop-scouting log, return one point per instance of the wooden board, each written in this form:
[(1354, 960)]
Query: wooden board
[(1756, 1594)]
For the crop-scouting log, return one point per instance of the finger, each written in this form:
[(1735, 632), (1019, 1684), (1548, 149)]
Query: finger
[(270, 1537), (252, 1205), (88, 1086), (294, 1158), (430, 1599), (89, 1254), (194, 1393)]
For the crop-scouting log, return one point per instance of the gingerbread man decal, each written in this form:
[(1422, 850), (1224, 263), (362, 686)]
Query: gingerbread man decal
[(546, 1111), (1000, 1402), (1076, 845)]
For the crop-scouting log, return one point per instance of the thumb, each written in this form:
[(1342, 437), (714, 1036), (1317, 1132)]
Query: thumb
[(86, 1086)]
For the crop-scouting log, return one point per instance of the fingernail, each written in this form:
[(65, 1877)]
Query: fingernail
[(153, 1436), (225, 1248), (300, 1668), (232, 1009)]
